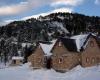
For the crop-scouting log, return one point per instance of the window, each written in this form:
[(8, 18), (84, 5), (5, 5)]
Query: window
[(98, 60), (87, 59), (60, 44), (91, 43), (79, 59), (21, 61), (14, 61), (93, 60), (60, 60)]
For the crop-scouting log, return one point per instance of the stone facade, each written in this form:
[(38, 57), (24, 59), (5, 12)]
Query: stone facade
[(37, 59), (16, 61), (91, 55), (62, 59)]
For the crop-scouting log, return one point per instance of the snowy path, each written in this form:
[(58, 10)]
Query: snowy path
[(25, 73)]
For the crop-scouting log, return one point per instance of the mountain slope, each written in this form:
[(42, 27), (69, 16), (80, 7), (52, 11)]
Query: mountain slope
[(30, 31)]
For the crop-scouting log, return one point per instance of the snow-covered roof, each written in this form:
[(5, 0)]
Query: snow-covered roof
[(24, 44), (80, 39), (47, 47), (14, 42), (17, 58)]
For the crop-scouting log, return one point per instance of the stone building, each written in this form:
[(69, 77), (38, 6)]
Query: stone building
[(65, 53), (41, 57), (16, 61), (90, 54)]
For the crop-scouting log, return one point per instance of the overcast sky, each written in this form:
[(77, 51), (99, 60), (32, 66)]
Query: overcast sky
[(22, 9)]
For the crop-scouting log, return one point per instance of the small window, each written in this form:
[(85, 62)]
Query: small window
[(14, 61), (60, 60), (93, 60), (21, 61), (87, 60), (79, 59), (60, 44)]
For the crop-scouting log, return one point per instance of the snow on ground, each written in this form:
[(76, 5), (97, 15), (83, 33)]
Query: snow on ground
[(26, 73), (15, 73), (3, 65)]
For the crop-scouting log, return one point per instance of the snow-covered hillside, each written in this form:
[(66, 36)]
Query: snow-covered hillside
[(26, 73)]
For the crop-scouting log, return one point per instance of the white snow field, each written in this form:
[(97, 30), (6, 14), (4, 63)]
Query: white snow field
[(26, 73)]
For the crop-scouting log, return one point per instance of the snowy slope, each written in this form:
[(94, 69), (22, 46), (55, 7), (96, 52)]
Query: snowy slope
[(59, 25), (26, 73)]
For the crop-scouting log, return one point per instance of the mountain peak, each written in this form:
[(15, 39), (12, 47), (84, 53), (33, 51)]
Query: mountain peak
[(62, 10)]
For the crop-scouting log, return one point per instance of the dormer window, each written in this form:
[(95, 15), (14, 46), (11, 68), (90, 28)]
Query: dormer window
[(60, 44)]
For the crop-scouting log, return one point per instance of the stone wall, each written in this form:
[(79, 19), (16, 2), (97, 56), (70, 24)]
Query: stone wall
[(65, 62), (37, 58), (91, 55), (62, 59)]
